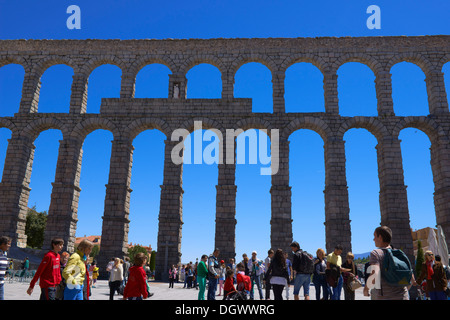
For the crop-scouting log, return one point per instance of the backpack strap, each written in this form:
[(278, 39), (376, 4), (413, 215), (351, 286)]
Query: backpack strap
[(385, 250)]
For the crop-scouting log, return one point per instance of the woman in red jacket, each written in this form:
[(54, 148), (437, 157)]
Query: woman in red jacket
[(48, 272), (136, 288)]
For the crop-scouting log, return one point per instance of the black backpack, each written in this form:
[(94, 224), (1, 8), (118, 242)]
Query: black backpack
[(305, 262)]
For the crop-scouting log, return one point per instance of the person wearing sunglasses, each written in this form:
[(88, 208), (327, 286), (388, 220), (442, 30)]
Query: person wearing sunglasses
[(433, 272)]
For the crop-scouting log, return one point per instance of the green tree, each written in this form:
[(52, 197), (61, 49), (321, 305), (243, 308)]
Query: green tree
[(35, 227), (419, 259), (135, 250), (94, 252), (153, 261)]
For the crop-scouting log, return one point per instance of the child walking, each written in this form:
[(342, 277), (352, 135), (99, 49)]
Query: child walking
[(75, 271), (221, 276), (136, 288), (94, 274)]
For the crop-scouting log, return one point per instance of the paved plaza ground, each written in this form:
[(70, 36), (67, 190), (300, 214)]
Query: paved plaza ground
[(17, 291), (181, 303)]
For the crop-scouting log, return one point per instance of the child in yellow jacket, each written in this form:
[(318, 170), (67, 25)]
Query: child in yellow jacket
[(75, 271)]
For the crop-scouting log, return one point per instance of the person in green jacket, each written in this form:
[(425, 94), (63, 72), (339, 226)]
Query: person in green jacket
[(202, 273)]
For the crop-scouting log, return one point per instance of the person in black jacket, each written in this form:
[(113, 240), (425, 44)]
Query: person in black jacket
[(278, 275)]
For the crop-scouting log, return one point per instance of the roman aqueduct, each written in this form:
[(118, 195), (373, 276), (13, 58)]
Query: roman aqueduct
[(127, 116)]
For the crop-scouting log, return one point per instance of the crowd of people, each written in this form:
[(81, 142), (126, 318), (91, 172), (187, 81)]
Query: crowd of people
[(71, 276), (329, 274)]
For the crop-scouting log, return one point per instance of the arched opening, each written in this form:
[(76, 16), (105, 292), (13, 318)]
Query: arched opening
[(93, 178), (307, 179), (253, 201), (146, 179), (56, 88), (44, 168), (200, 176), (5, 135), (446, 72), (356, 90), (104, 82), (254, 80), (409, 91), (11, 81), (152, 81), (204, 81), (363, 188), (418, 176), (303, 87)]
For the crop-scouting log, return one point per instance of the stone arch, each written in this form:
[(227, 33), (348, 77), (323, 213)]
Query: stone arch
[(363, 58), (429, 126), (253, 123), (146, 60), (312, 123), (20, 60), (85, 127), (5, 123), (315, 60), (213, 74), (294, 71), (422, 62), (34, 129), (43, 65), (100, 60), (371, 124), (248, 58), (193, 61), (445, 59), (140, 125)]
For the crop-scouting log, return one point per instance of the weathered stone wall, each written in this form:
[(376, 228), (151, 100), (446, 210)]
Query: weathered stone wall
[(127, 116)]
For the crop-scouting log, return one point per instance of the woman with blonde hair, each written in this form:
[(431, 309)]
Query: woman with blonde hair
[(319, 278), (75, 271), (433, 272), (115, 278)]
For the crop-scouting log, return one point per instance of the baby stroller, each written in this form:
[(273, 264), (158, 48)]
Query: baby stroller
[(421, 291), (242, 291), (237, 295)]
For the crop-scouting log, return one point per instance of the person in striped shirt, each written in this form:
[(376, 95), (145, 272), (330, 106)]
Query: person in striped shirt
[(5, 244)]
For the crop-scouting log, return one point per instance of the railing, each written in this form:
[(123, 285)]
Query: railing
[(19, 275)]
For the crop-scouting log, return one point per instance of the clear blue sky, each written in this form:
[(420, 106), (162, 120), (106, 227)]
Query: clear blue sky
[(304, 92)]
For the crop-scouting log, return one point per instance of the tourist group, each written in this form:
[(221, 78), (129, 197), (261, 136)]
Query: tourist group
[(388, 275)]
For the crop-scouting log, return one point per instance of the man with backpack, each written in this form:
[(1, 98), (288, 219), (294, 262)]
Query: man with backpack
[(303, 267), (391, 270)]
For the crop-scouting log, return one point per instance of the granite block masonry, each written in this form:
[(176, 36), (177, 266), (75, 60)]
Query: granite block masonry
[(127, 116)]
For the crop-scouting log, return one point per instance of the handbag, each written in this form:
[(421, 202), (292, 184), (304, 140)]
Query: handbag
[(354, 284)]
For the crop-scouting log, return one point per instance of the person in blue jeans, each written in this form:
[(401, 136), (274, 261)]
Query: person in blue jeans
[(301, 280), (213, 274), (319, 278), (254, 265), (335, 259)]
